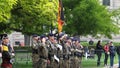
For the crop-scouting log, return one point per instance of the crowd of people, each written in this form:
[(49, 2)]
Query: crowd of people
[(56, 52), (62, 51), (109, 50)]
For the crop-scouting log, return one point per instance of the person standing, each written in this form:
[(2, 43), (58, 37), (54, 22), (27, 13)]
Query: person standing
[(106, 51), (67, 53), (99, 50), (35, 56), (86, 52), (61, 41), (78, 54), (43, 53), (6, 57), (91, 42), (51, 51), (118, 52), (112, 54)]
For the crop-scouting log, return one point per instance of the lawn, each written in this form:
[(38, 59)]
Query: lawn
[(84, 43), (92, 63), (89, 63), (23, 60), (22, 65)]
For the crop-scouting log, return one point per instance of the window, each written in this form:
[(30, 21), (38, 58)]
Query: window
[(106, 2), (17, 42)]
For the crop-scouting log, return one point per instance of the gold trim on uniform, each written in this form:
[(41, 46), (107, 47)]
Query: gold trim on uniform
[(5, 48)]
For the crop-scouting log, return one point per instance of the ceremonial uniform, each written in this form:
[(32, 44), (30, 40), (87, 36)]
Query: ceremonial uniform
[(77, 54), (5, 57), (60, 56), (35, 56), (43, 56), (52, 51), (80, 51), (66, 55), (72, 57)]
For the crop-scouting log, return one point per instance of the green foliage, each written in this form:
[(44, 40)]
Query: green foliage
[(88, 17), (5, 8), (5, 14), (29, 16), (116, 16)]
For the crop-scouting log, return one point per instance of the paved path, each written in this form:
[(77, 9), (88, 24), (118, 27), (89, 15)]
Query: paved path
[(115, 66)]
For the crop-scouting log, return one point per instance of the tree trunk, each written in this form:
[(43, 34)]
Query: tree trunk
[(27, 40)]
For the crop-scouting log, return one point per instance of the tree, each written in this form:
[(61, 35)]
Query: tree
[(31, 16), (5, 14), (5, 8), (116, 16), (88, 17)]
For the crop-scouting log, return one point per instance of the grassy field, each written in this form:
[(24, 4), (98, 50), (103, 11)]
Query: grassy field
[(22, 65), (92, 63), (103, 43), (89, 63), (22, 61)]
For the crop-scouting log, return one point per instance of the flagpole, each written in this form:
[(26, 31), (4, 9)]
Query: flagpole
[(60, 17), (58, 20), (51, 28)]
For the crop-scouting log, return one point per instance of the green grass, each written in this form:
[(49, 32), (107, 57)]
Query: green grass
[(89, 63), (24, 60), (92, 63), (103, 43), (22, 65)]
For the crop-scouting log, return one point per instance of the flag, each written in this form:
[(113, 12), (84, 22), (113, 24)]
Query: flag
[(60, 16)]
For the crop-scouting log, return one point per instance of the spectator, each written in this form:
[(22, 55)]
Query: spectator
[(86, 52), (99, 50), (91, 42), (118, 52), (106, 51), (112, 54)]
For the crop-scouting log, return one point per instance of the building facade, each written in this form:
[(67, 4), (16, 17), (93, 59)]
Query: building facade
[(16, 39), (111, 4)]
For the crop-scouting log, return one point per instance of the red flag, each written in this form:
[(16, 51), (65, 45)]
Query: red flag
[(60, 16)]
